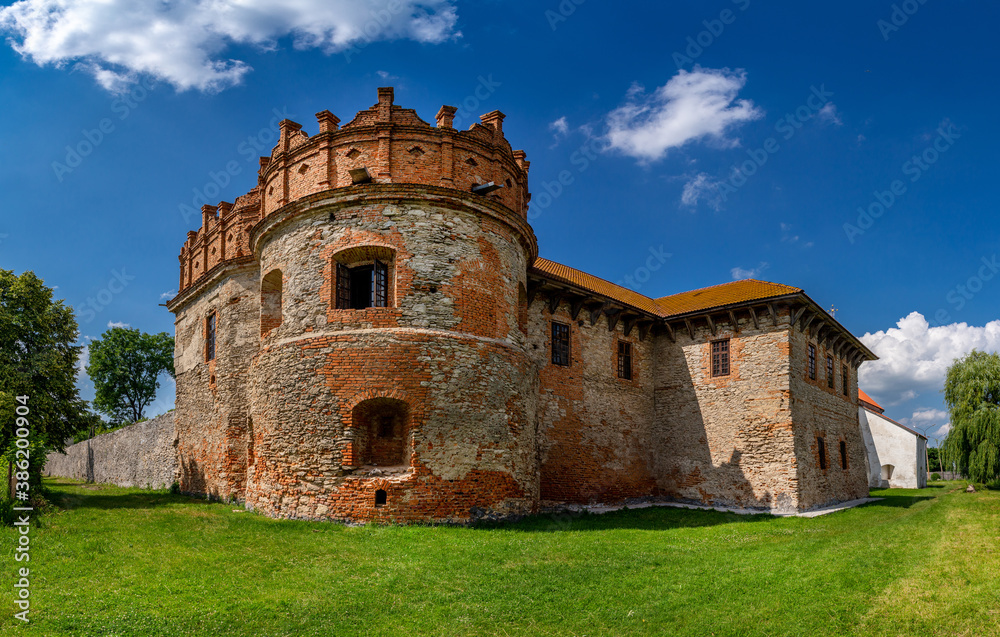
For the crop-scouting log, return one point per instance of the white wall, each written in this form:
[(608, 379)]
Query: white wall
[(894, 445), (871, 458)]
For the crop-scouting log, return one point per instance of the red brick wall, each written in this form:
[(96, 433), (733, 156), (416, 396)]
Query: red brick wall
[(594, 429)]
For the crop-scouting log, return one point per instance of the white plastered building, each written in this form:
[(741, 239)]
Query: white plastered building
[(896, 454)]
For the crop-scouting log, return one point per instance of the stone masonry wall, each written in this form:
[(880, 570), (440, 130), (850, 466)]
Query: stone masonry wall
[(821, 411), (727, 440), (140, 455), (448, 349), (211, 404), (595, 442)]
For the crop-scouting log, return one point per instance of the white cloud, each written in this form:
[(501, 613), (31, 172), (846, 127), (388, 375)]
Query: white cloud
[(82, 361), (921, 416), (184, 43), (701, 187), (560, 126), (914, 357), (829, 114), (117, 324), (693, 105), (386, 75), (739, 273), (168, 294)]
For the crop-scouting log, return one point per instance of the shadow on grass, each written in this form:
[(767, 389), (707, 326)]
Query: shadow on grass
[(59, 494), (656, 518), (897, 500)]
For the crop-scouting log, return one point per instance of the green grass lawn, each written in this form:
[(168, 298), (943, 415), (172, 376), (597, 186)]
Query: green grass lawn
[(115, 561)]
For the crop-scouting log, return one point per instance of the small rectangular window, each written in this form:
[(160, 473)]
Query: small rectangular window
[(843, 455), (363, 286), (812, 361), (846, 372), (560, 344), (720, 358), (821, 448), (210, 337), (625, 360), (829, 372)]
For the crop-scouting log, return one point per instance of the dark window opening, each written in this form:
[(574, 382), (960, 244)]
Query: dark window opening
[(720, 358), (829, 372), (847, 377), (560, 344), (210, 337), (812, 362), (625, 360), (381, 432), (843, 455), (821, 448), (270, 301), (386, 425), (362, 286), (381, 497)]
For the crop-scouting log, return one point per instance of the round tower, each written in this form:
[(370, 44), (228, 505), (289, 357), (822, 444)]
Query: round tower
[(390, 379)]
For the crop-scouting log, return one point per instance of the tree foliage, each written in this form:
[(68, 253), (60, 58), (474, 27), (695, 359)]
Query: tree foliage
[(38, 359), (125, 366), (972, 391)]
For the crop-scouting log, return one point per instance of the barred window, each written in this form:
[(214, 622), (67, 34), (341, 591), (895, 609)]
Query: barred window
[(625, 360), (846, 371), (560, 344), (362, 286), (720, 358), (812, 361), (829, 372), (210, 337), (821, 448)]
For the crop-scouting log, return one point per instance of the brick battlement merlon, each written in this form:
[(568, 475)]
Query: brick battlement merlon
[(382, 144), (390, 144)]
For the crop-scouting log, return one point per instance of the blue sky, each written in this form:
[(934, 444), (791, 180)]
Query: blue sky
[(737, 137)]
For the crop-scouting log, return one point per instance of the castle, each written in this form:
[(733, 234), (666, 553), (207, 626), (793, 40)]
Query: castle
[(370, 334)]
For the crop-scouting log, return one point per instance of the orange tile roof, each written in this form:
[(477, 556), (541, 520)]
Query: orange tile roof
[(696, 300), (868, 399), (598, 285), (721, 295)]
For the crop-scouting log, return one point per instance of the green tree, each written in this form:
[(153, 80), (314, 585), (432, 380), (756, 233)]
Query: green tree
[(125, 365), (972, 391), (38, 360)]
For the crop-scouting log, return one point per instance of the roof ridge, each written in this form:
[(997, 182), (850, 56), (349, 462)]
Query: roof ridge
[(719, 285), (596, 277)]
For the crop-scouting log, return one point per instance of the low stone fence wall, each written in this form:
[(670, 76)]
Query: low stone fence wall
[(140, 455)]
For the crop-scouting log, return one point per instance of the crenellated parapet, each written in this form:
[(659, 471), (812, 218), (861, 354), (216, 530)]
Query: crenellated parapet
[(384, 144), (224, 237)]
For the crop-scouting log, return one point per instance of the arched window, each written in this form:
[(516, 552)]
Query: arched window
[(270, 301), (381, 432), (364, 278)]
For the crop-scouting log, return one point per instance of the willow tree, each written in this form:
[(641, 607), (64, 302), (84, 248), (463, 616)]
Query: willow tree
[(972, 391)]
